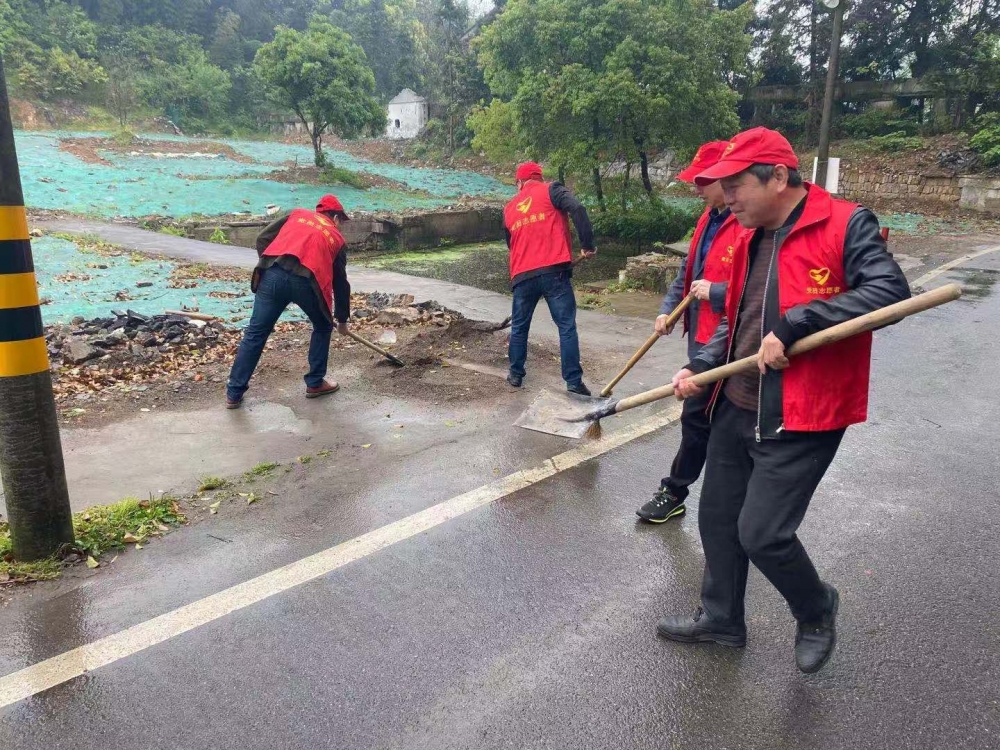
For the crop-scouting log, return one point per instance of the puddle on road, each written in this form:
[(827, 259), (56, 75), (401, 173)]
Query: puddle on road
[(976, 283)]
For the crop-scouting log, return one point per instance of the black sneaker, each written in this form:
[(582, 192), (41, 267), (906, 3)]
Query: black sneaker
[(664, 506), (814, 642), (514, 380), (580, 389), (698, 628)]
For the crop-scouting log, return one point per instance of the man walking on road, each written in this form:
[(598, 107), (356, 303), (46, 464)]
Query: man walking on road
[(302, 261), (541, 264), (811, 262), (704, 273)]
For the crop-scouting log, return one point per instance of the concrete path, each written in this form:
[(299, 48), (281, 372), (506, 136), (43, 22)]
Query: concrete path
[(525, 618)]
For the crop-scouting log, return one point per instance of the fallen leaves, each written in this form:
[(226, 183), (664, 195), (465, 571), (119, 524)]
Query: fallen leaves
[(92, 563)]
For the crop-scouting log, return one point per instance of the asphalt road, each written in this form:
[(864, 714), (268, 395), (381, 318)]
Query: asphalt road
[(529, 621)]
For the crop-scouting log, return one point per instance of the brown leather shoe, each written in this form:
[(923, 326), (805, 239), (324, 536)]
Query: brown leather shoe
[(230, 404), (324, 390)]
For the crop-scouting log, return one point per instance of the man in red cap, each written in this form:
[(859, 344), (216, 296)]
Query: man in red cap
[(704, 273), (302, 260), (541, 264), (811, 261)]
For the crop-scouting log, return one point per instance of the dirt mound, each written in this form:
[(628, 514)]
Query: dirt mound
[(88, 149)]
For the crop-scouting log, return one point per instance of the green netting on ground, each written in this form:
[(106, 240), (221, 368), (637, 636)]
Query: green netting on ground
[(187, 184), (92, 291)]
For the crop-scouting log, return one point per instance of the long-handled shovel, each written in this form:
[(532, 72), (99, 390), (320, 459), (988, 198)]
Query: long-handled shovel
[(671, 320), (392, 358), (588, 423)]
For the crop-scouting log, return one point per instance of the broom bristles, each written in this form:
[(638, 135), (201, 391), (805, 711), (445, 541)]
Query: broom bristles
[(594, 431)]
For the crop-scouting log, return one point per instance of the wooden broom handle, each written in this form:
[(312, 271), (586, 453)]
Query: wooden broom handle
[(839, 332), (671, 320)]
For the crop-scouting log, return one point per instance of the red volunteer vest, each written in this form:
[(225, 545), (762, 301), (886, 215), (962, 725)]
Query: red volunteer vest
[(315, 241), (825, 389), (718, 263), (539, 232)]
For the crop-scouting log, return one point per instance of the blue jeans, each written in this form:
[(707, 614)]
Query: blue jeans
[(277, 290), (558, 293)]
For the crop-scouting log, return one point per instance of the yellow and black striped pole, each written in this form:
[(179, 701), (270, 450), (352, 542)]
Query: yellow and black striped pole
[(31, 460)]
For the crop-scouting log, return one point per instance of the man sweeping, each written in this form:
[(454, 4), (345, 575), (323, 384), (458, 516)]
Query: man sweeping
[(811, 262), (541, 264), (704, 273), (302, 261)]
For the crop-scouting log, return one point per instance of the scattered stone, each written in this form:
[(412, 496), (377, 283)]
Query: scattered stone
[(652, 271), (388, 338), (143, 284), (76, 352)]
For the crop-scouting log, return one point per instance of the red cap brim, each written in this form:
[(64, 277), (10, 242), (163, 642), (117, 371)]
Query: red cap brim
[(721, 170), (688, 175)]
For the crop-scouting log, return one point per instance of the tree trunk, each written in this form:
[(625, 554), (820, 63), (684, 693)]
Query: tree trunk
[(596, 174), (31, 459), (644, 170), (562, 173), (317, 140), (628, 174)]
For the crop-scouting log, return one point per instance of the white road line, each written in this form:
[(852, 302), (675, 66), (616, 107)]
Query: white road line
[(930, 275), (59, 669)]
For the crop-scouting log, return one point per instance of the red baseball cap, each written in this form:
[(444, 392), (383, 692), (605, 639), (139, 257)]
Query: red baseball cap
[(754, 146), (329, 204), (528, 170), (708, 156)]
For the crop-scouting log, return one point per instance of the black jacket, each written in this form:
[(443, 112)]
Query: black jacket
[(875, 281), (341, 286)]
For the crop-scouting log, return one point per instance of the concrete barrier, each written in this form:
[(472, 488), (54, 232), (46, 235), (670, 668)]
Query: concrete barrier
[(395, 233)]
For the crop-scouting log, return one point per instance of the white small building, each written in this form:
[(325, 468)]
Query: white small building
[(407, 115)]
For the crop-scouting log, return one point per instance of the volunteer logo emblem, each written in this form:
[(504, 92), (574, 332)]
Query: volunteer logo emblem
[(820, 275), (524, 206), (729, 148)]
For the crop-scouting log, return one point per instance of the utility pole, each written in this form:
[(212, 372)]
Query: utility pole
[(31, 460), (832, 73)]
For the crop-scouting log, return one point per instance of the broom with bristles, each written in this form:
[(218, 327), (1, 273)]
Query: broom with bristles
[(877, 319)]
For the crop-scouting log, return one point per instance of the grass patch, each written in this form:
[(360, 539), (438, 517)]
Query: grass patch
[(212, 483), (590, 301), (304, 459), (345, 177), (173, 231), (219, 237), (262, 469), (111, 527), (98, 530)]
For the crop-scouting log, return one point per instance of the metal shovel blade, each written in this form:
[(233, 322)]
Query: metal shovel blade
[(552, 413)]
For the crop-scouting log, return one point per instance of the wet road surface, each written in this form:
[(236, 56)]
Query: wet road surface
[(529, 622)]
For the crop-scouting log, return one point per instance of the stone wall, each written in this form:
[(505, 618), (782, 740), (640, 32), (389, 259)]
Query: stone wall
[(973, 193)]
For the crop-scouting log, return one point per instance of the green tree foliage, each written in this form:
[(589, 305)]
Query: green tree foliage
[(590, 82), (393, 38), (323, 76)]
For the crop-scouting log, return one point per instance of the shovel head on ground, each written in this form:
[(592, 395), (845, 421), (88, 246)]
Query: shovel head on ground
[(553, 412)]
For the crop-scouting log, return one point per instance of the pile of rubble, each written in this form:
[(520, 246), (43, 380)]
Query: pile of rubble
[(397, 310), (128, 351), (131, 334)]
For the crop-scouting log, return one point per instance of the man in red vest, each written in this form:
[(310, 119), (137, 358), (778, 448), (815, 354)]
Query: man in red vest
[(811, 262), (302, 261), (541, 264), (705, 273)]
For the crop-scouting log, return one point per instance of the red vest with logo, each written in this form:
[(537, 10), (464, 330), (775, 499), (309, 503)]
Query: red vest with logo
[(315, 241), (539, 232), (718, 263), (827, 388)]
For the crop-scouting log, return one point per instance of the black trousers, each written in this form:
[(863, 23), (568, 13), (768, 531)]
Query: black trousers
[(690, 458), (754, 497)]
